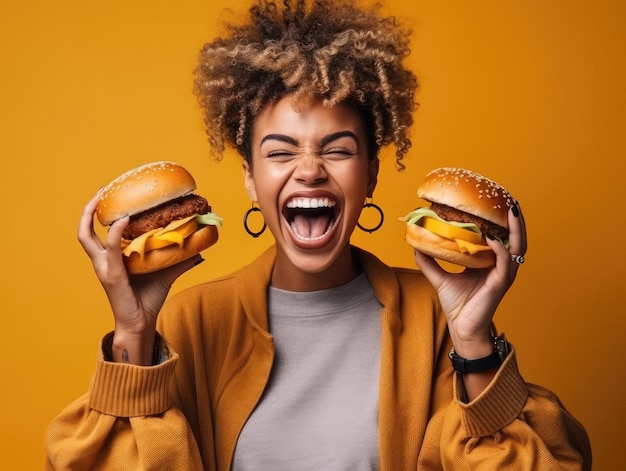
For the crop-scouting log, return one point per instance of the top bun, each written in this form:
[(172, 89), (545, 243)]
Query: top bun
[(143, 188), (467, 191)]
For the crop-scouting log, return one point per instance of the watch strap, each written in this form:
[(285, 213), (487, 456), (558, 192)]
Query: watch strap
[(494, 360)]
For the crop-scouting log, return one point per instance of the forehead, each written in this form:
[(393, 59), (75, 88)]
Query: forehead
[(310, 121)]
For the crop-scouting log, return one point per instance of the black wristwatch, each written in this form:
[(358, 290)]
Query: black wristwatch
[(500, 351)]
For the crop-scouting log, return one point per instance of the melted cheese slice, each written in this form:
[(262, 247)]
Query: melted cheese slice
[(468, 241), (174, 233), (471, 248)]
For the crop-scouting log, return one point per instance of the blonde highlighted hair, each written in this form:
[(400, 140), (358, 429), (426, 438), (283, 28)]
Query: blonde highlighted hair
[(330, 49)]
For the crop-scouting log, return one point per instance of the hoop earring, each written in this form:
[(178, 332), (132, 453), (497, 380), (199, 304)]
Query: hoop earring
[(253, 209), (380, 223)]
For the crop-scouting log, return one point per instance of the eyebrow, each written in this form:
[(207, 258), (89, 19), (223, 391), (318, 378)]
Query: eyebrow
[(279, 137), (336, 135), (325, 140)]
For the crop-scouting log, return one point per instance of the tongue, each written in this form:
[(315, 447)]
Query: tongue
[(311, 227)]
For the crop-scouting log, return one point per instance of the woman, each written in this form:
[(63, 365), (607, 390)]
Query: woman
[(316, 355)]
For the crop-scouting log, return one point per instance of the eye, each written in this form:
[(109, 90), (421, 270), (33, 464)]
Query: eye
[(280, 154), (338, 152)]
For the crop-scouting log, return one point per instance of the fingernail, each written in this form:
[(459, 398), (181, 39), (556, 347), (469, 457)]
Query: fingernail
[(515, 209), (198, 262)]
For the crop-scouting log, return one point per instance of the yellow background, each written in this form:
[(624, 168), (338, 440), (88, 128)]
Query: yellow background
[(529, 93)]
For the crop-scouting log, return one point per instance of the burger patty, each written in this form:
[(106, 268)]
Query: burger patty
[(488, 228), (162, 215)]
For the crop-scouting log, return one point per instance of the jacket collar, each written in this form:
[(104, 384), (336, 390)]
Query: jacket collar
[(255, 277)]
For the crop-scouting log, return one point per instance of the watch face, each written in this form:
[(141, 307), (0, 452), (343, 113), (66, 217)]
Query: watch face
[(502, 346)]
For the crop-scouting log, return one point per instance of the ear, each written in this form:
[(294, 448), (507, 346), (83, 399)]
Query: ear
[(372, 176), (249, 181)]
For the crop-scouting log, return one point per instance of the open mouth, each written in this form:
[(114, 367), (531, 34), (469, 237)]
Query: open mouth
[(310, 219)]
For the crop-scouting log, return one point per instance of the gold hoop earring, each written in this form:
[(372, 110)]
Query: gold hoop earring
[(253, 209), (380, 213)]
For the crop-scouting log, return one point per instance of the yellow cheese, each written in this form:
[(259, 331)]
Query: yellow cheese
[(449, 231), (468, 241), (471, 248), (174, 233), (138, 244)]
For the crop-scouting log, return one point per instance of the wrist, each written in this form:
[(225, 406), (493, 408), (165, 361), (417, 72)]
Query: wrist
[(472, 341), (477, 346), (490, 360), (136, 349)]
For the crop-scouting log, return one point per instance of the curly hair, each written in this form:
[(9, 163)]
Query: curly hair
[(331, 49)]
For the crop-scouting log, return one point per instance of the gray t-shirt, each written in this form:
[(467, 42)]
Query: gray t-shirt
[(320, 408)]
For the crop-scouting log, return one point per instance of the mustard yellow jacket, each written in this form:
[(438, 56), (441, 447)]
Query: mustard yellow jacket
[(186, 413)]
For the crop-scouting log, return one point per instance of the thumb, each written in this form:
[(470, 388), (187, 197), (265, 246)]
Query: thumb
[(431, 269), (170, 274)]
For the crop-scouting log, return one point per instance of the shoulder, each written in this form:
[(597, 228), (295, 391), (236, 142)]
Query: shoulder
[(250, 281), (201, 305), (224, 302), (410, 302), (412, 278), (400, 278), (417, 295), (212, 290), (404, 289)]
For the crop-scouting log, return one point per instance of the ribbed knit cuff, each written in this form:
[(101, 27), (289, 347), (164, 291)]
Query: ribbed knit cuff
[(124, 390), (498, 405)]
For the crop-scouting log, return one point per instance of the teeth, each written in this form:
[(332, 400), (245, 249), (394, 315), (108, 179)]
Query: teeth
[(308, 203)]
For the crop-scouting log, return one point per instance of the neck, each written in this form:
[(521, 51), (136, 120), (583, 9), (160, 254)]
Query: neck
[(289, 277)]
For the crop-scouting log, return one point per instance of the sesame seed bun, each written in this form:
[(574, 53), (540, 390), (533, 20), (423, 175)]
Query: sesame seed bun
[(143, 188), (467, 191)]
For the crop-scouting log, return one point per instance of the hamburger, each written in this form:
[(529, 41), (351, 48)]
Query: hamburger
[(465, 208), (168, 222)]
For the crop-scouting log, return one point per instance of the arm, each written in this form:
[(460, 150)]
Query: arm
[(469, 299), (511, 425), (497, 421), (135, 300), (127, 415), (126, 421)]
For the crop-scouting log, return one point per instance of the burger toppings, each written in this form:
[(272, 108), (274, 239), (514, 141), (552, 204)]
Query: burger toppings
[(487, 228), (165, 213), (167, 224), (174, 233), (467, 235)]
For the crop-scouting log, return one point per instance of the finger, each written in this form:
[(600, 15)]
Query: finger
[(114, 245), (170, 274), (503, 258), (86, 234), (517, 231), (506, 267), (429, 266), (114, 235)]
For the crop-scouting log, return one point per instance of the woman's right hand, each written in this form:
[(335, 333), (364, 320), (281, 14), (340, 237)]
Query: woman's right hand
[(135, 300)]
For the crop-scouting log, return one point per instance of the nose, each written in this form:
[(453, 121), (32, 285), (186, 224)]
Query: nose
[(310, 169)]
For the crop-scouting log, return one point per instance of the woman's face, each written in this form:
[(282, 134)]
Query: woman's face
[(310, 175)]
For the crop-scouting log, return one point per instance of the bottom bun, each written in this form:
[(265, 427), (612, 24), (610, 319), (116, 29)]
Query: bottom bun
[(447, 250), (158, 259)]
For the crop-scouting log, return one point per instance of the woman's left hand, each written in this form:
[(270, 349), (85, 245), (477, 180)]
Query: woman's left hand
[(469, 299)]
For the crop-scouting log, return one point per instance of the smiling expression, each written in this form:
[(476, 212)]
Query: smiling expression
[(310, 175)]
